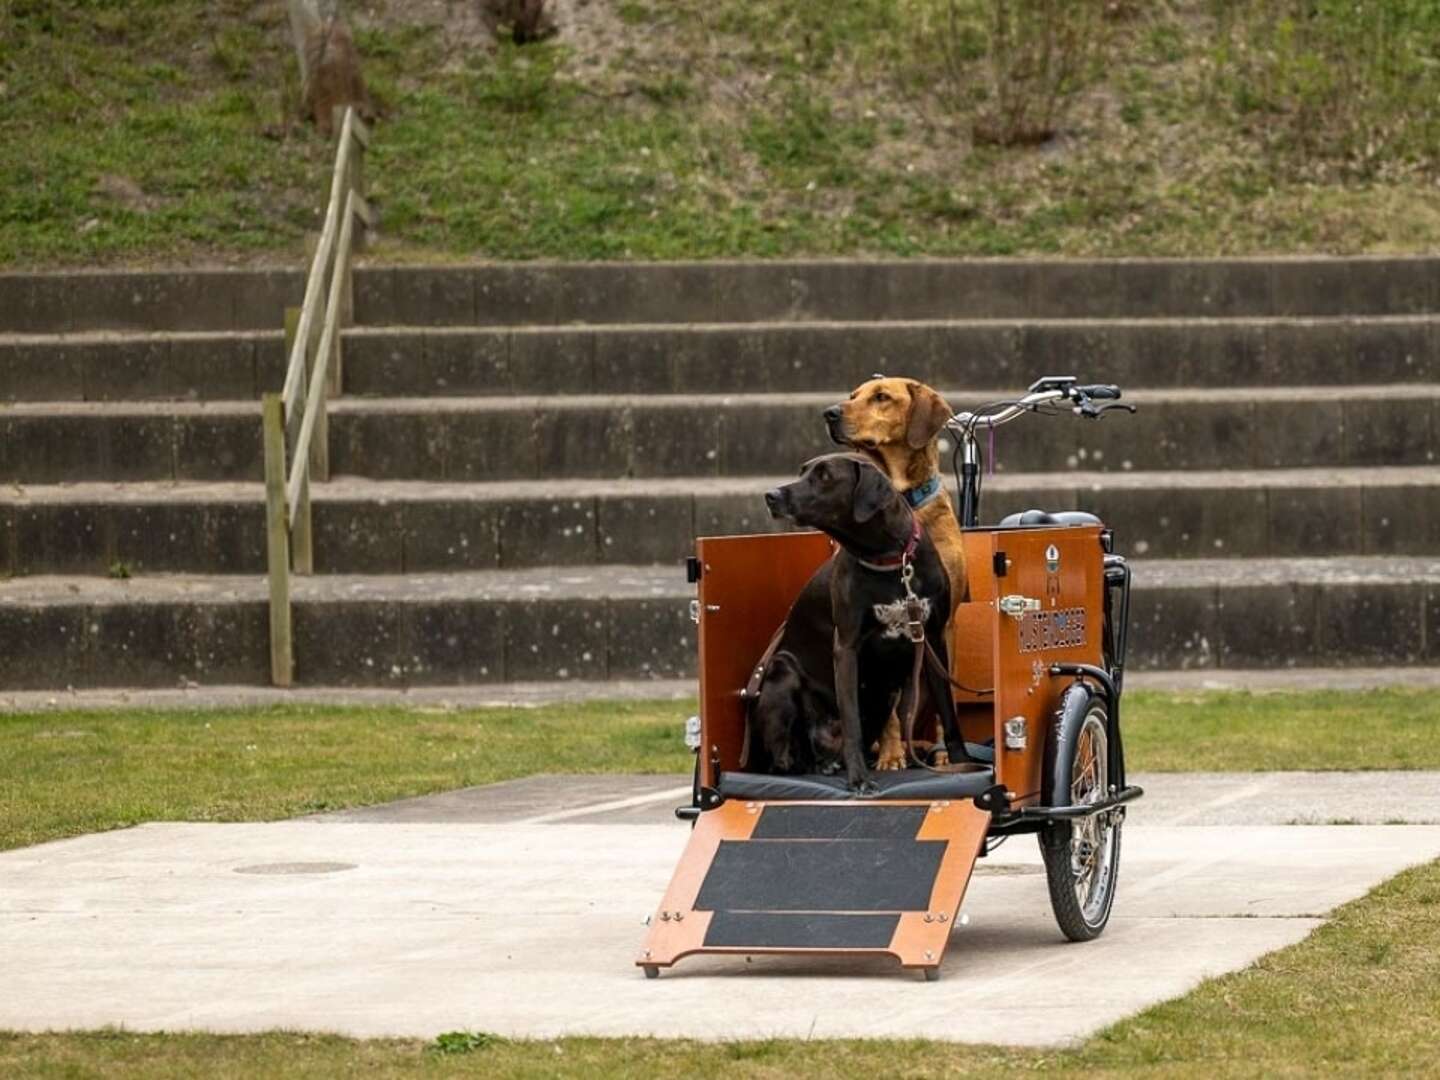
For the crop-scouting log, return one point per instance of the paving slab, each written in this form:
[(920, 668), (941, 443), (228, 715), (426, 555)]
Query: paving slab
[(375, 929)]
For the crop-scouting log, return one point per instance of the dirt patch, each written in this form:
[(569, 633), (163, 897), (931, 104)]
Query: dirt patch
[(591, 32)]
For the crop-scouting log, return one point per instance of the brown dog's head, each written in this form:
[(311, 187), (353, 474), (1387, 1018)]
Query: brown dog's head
[(894, 421)]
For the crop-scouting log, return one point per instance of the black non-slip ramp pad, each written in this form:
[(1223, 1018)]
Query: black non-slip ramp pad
[(805, 822), (837, 876), (821, 875), (760, 930)]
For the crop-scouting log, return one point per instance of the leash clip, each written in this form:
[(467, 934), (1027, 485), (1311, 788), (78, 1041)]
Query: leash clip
[(914, 606)]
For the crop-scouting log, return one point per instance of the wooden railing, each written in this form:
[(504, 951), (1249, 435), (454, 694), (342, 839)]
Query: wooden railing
[(297, 446)]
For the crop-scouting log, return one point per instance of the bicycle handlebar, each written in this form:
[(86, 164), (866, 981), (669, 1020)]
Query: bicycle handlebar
[(1046, 391)]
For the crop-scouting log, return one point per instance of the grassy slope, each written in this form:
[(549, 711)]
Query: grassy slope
[(67, 773), (153, 129), (1359, 997)]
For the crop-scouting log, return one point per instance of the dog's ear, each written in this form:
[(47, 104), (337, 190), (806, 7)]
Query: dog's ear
[(928, 414), (872, 491)]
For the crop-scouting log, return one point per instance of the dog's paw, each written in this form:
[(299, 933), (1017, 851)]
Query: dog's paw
[(864, 789), (941, 756), (891, 757)]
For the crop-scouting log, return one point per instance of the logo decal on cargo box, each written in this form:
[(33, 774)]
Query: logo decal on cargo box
[(1042, 630)]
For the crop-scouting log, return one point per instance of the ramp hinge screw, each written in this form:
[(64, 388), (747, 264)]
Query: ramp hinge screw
[(943, 917), (929, 955), (929, 917), (664, 916)]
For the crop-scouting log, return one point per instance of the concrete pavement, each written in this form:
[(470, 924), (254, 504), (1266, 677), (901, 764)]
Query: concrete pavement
[(1270, 798), (519, 910)]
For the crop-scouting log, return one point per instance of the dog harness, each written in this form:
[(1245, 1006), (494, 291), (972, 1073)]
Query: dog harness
[(919, 496)]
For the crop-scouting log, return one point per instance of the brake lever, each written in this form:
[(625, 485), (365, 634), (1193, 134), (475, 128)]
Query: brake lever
[(1088, 409)]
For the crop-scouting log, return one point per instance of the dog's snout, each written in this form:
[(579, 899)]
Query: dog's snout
[(775, 501), (834, 413)]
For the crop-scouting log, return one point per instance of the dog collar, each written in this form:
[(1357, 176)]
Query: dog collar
[(919, 496), (898, 560)]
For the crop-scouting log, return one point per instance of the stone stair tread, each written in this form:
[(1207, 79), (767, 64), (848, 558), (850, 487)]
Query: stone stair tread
[(741, 290), (561, 402), (849, 325), (358, 488), (578, 583), (103, 337), (651, 582)]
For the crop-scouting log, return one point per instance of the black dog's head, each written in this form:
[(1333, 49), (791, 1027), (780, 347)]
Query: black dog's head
[(834, 493)]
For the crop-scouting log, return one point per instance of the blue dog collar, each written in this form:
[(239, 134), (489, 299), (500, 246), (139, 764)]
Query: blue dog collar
[(919, 496)]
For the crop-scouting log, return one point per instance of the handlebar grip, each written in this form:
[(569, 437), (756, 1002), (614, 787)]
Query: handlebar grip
[(1103, 391)]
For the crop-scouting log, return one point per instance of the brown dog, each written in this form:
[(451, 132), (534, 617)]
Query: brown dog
[(897, 424)]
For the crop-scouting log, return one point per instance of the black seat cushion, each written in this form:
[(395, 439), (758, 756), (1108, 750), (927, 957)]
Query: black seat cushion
[(902, 784), (1033, 518)]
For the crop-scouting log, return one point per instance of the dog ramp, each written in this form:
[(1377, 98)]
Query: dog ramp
[(846, 878)]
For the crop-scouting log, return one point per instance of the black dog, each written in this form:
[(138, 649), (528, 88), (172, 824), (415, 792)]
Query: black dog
[(845, 652)]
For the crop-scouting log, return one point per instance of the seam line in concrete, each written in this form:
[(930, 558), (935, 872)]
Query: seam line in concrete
[(605, 807), (1249, 791)]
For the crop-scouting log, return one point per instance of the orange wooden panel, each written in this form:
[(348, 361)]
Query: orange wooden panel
[(972, 650), (747, 584), (920, 937), (1071, 584), (978, 569), (918, 943), (670, 938)]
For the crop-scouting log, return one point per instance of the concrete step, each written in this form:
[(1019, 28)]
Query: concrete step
[(557, 293), (835, 356), (602, 437), (393, 527), (118, 366), (632, 622), (718, 358)]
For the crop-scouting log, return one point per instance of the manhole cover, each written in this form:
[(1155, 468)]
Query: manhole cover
[(295, 868)]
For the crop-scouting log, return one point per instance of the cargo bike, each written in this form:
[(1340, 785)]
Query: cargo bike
[(800, 864)]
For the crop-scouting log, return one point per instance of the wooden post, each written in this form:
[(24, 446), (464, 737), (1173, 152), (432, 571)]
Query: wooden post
[(277, 533)]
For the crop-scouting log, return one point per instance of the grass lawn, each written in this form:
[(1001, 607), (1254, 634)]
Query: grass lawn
[(64, 773), (141, 130), (1359, 997)]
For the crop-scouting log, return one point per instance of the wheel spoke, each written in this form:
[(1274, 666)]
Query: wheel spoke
[(1089, 838)]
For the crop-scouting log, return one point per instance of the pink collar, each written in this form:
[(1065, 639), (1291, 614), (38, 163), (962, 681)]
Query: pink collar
[(896, 561)]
